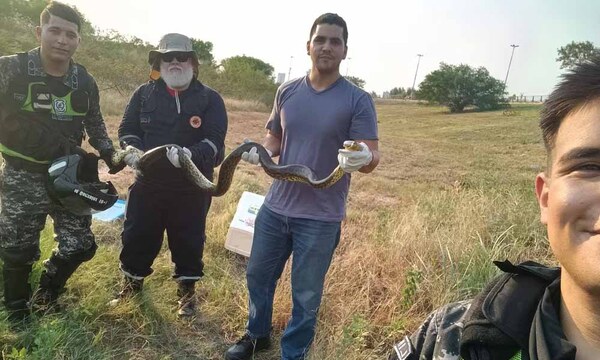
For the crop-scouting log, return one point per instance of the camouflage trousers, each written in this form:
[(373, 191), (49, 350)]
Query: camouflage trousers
[(24, 206)]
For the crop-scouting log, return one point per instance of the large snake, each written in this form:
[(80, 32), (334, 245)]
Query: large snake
[(293, 172)]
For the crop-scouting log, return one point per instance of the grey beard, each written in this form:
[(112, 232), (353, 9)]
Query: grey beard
[(177, 79)]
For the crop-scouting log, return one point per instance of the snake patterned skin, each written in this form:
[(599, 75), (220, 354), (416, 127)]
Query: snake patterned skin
[(293, 172), (118, 156)]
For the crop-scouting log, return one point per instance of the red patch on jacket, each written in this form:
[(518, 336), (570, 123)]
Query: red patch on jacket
[(195, 121)]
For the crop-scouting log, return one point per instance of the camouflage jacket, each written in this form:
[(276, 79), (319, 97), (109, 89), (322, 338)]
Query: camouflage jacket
[(496, 324), (93, 122)]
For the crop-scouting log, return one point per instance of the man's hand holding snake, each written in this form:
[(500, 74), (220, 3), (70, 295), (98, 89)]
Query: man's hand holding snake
[(173, 155), (354, 156), (108, 155), (252, 156), (132, 158)]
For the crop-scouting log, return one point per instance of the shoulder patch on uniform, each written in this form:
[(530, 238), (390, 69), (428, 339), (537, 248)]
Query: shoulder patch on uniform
[(404, 349)]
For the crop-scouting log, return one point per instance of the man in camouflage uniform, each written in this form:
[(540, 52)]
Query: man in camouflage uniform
[(532, 311), (46, 103)]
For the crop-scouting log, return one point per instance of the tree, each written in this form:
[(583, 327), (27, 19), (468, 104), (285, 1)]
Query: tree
[(356, 81), (30, 11), (249, 62), (204, 50), (244, 77), (459, 86), (398, 92), (575, 53)]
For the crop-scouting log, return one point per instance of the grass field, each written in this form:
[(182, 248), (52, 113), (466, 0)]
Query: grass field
[(452, 193)]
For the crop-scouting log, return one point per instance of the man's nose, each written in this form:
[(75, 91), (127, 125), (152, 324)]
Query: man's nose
[(62, 38)]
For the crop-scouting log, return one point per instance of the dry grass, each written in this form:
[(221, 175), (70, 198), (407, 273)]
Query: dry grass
[(246, 105), (452, 193)]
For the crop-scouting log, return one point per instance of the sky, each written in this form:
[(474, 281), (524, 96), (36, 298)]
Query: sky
[(384, 36)]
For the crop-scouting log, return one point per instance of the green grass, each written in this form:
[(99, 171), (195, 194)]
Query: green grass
[(452, 193)]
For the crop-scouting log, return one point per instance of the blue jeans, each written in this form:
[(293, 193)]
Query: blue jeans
[(312, 242)]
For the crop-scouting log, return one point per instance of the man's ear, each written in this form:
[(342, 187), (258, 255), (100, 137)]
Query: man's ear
[(542, 185), (308, 47), (38, 33)]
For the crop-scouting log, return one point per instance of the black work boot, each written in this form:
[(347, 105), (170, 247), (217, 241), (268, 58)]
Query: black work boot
[(129, 289), (187, 300), (17, 290), (246, 347), (52, 283)]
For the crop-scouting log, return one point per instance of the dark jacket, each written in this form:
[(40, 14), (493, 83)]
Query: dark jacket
[(43, 117), (516, 316), (195, 119)]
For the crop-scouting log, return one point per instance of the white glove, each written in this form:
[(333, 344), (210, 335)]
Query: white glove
[(352, 160), (252, 155), (132, 160), (173, 155)]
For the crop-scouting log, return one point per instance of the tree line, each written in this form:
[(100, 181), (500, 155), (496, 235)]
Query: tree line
[(119, 62), (460, 86)]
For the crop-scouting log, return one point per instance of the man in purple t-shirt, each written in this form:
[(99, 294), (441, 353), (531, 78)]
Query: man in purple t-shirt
[(311, 119)]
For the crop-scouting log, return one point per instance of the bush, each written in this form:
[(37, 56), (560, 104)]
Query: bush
[(120, 63), (459, 86)]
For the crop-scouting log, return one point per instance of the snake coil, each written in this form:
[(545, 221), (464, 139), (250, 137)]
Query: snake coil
[(293, 172)]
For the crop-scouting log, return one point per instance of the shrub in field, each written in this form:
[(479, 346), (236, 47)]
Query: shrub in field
[(120, 63), (459, 86), (248, 78)]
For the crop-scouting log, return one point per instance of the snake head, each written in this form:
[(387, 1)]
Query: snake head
[(352, 145)]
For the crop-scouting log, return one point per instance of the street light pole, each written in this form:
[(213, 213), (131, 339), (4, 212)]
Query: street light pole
[(290, 69), (412, 90), (347, 65), (510, 62)]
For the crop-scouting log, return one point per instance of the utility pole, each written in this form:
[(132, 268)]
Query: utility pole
[(412, 90), (290, 69), (348, 65), (510, 62)]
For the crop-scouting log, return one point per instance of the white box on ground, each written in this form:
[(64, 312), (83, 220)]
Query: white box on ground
[(241, 230)]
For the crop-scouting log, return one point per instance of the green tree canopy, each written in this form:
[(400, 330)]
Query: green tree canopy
[(459, 86), (248, 62), (576, 52), (356, 81), (204, 50), (120, 62), (30, 11), (398, 92)]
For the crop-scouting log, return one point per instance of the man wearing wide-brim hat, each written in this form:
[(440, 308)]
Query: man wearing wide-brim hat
[(172, 43), (172, 108)]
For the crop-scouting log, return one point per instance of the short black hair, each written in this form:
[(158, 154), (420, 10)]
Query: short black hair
[(62, 11), (331, 19), (578, 87)]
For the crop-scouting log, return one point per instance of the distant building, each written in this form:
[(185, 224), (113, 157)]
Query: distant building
[(280, 78)]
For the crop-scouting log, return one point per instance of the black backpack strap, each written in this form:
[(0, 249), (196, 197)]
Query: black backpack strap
[(529, 268), (83, 78), (23, 63), (501, 315)]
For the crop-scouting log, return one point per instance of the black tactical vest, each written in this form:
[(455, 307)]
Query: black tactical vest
[(44, 117)]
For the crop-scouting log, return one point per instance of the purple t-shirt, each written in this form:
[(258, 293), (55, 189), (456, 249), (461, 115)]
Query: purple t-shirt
[(313, 126)]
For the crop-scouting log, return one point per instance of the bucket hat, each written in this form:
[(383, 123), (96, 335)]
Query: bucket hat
[(172, 42)]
